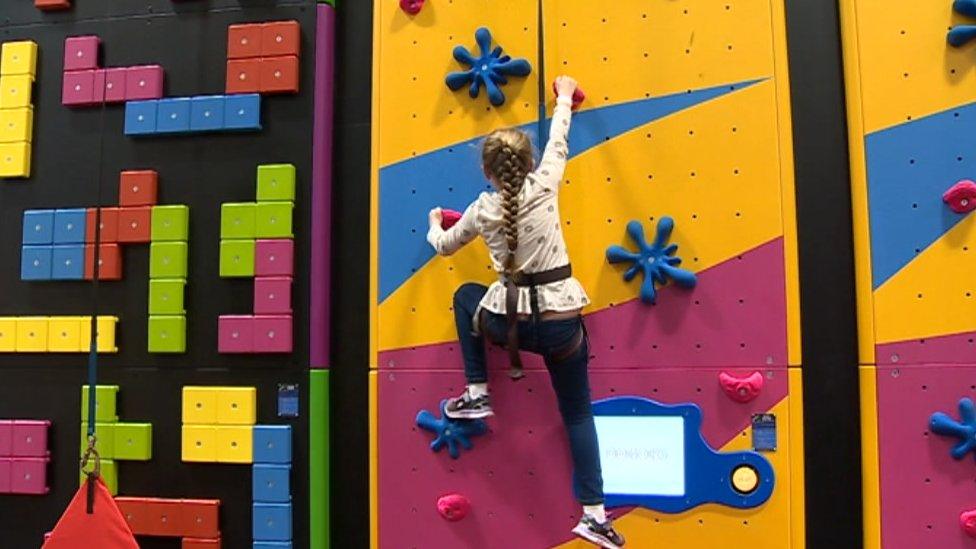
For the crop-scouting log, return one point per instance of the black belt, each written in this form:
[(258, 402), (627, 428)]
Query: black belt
[(532, 281)]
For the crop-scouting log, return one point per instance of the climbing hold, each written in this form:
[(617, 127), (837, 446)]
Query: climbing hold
[(961, 34), (578, 95), (412, 7), (453, 507), (449, 218), (967, 520), (450, 432), (488, 69), (961, 197), (741, 389), (656, 261), (964, 429)]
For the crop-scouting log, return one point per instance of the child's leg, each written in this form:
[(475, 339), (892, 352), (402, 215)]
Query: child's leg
[(466, 300)]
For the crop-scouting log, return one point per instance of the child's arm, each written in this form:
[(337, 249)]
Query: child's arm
[(449, 241), (553, 163)]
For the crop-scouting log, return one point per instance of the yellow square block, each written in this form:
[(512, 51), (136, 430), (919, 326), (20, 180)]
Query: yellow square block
[(237, 405), (15, 159), (16, 125), (199, 405), (200, 443), (105, 326), (235, 444), (18, 58), (8, 334), (64, 334), (32, 334), (15, 91)]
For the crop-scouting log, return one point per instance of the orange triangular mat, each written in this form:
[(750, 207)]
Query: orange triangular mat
[(103, 529)]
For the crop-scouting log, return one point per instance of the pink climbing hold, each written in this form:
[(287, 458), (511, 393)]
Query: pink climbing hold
[(453, 507), (967, 520), (578, 95), (741, 389), (961, 197), (412, 7), (449, 218)]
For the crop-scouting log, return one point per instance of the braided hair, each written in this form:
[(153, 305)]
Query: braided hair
[(507, 159)]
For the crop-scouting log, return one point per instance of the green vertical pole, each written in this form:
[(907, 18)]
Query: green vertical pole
[(318, 459)]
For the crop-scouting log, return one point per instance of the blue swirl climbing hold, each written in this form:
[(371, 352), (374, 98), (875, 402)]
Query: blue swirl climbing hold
[(488, 70), (960, 34), (450, 432), (657, 261), (964, 430)]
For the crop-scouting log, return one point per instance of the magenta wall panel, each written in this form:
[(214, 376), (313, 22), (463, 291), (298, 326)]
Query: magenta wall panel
[(6, 437), (274, 257), (28, 476), (30, 438), (144, 82), (273, 333), (77, 88), (272, 295), (81, 52), (6, 464), (235, 334)]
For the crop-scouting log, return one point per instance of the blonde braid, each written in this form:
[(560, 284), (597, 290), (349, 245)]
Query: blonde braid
[(511, 176)]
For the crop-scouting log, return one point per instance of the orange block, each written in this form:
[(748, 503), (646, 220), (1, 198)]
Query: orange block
[(52, 5), (109, 262), (243, 75), (279, 74), (200, 543), (138, 188), (201, 518), (136, 513), (135, 224), (244, 41), (281, 38), (109, 225)]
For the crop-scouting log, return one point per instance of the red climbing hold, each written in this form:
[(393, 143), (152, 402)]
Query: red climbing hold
[(741, 389), (453, 507), (967, 520), (578, 95), (961, 197), (412, 7), (105, 528), (449, 218)]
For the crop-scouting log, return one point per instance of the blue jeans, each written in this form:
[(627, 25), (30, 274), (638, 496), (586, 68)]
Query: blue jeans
[(568, 376)]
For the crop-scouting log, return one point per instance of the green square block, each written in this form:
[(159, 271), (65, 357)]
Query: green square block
[(133, 441), (170, 223), (167, 334), (274, 219), (236, 258), (237, 220), (167, 259), (276, 182), (105, 403), (104, 439), (110, 476), (166, 296)]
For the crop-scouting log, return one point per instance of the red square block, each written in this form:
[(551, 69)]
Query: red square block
[(109, 225), (135, 224), (52, 5), (272, 333), (235, 334), (281, 38), (30, 438), (243, 75), (144, 82), (164, 517), (109, 85), (135, 512), (201, 518), (244, 41), (78, 88), (28, 476), (201, 543), (109, 262), (272, 295), (6, 464), (81, 52), (138, 188), (279, 74)]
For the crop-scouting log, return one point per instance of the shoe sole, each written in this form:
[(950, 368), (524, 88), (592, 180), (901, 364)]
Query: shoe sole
[(469, 414), (586, 534)]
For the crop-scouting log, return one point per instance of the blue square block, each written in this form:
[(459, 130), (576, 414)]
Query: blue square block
[(140, 117), (272, 545), (207, 113), (38, 227), (271, 483), (272, 444), (242, 112), (272, 522), (35, 262), (69, 226), (68, 262), (173, 115)]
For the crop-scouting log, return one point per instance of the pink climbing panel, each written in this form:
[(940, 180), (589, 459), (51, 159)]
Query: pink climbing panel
[(30, 438), (274, 257), (28, 476)]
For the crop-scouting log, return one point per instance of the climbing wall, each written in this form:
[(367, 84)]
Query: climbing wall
[(910, 102), (686, 116), (130, 125)]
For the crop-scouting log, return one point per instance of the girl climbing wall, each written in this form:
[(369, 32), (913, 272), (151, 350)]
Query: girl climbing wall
[(536, 304)]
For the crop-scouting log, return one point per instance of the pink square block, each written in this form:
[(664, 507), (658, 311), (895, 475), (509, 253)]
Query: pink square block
[(81, 53), (6, 464), (272, 295), (30, 438), (274, 257), (110, 85), (78, 88), (6, 438), (144, 82), (235, 334), (28, 476), (272, 334)]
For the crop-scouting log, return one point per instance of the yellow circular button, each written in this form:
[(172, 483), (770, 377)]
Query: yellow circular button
[(745, 479)]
